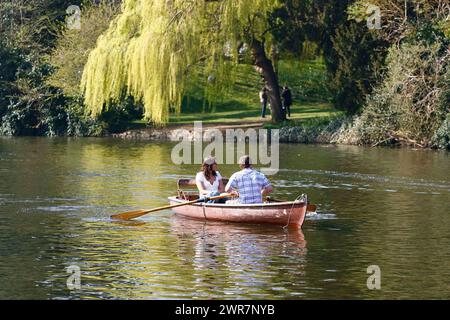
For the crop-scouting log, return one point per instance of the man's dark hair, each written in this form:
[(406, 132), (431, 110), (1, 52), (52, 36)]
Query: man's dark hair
[(245, 162)]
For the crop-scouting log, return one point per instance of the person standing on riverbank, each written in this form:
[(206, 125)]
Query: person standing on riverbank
[(263, 100), (286, 95), (252, 186)]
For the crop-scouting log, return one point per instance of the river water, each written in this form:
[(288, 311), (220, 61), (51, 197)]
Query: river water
[(376, 207)]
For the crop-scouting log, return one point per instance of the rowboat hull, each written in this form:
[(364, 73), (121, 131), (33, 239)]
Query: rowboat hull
[(290, 213)]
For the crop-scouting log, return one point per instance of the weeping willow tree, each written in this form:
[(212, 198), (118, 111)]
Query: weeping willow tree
[(150, 49)]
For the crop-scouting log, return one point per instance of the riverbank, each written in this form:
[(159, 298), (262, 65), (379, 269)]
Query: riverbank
[(171, 132), (312, 113), (324, 130), (316, 130), (353, 131)]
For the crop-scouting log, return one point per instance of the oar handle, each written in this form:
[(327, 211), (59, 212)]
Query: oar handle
[(224, 195), (205, 199)]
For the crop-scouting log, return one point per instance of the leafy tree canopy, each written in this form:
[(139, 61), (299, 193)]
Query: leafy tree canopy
[(149, 48)]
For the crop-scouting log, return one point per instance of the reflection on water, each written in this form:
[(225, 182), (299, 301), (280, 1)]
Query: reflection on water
[(380, 206), (244, 255)]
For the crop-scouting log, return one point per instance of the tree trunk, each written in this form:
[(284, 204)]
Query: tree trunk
[(265, 67), (275, 57)]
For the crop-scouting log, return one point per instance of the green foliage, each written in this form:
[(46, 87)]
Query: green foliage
[(355, 61), (441, 138), (9, 62), (292, 25), (159, 55), (74, 45), (428, 34), (411, 103), (400, 19), (151, 46), (307, 79), (79, 124), (32, 25), (28, 105), (353, 55), (118, 117), (27, 111)]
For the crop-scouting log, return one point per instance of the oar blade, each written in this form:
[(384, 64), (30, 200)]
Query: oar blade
[(128, 215)]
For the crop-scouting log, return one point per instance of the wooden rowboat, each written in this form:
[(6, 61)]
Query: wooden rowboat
[(283, 213), (290, 213), (286, 213)]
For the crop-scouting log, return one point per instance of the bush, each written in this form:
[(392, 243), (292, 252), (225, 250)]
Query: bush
[(119, 114), (412, 102), (30, 104), (32, 101), (78, 123), (441, 139)]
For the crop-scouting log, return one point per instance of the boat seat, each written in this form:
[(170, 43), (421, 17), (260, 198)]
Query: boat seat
[(190, 195)]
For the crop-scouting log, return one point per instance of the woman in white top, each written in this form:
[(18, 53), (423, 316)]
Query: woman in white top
[(209, 181)]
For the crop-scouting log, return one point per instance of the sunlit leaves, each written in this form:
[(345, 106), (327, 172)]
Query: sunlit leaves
[(151, 47)]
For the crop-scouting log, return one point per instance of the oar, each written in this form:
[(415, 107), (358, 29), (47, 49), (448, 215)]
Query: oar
[(134, 214)]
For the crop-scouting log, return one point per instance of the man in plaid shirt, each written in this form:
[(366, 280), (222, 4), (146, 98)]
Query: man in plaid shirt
[(252, 185)]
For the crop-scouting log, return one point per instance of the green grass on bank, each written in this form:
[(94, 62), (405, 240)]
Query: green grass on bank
[(240, 104), (299, 113), (252, 114)]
